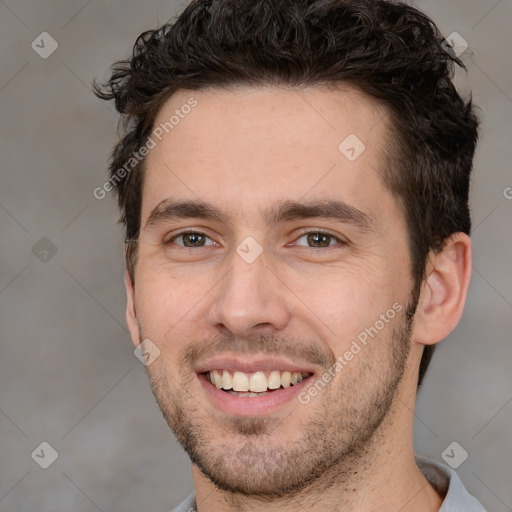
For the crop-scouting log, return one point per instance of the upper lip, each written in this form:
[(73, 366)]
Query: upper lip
[(233, 364)]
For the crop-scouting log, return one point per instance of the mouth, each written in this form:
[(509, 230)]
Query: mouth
[(252, 388), (254, 384)]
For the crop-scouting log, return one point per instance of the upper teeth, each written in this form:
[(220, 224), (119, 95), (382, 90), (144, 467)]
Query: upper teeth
[(256, 382)]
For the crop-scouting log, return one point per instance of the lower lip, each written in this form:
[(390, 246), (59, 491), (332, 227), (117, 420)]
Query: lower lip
[(250, 405)]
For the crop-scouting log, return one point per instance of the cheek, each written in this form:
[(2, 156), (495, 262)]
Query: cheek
[(342, 302), (165, 302)]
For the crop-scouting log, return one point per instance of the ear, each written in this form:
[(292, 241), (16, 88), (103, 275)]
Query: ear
[(131, 312), (444, 291)]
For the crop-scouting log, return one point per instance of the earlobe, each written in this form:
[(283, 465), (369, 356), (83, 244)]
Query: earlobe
[(444, 290), (131, 311)]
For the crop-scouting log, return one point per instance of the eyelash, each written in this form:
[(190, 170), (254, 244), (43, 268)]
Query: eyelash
[(183, 233), (320, 232), (301, 234)]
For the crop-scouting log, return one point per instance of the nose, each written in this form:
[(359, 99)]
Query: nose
[(250, 300)]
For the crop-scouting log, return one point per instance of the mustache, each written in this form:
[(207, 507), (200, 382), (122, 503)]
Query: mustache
[(293, 348)]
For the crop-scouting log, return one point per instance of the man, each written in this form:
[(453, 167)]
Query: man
[(294, 184)]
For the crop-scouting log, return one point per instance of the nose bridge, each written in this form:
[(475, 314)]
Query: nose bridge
[(248, 296)]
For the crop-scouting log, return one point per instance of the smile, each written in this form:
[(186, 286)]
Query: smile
[(255, 387), (253, 384)]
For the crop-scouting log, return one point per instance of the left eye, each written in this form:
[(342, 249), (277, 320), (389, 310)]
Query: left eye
[(191, 239), (317, 239)]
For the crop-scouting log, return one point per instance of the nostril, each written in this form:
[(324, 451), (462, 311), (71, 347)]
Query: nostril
[(264, 325)]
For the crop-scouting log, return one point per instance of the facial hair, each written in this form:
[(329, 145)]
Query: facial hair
[(247, 456)]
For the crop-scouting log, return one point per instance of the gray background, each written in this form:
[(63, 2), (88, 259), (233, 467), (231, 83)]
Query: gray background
[(68, 374)]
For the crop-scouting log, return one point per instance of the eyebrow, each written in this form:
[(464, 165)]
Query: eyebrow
[(168, 210), (328, 209)]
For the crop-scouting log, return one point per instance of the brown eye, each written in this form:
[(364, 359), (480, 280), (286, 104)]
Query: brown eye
[(317, 240), (191, 239)]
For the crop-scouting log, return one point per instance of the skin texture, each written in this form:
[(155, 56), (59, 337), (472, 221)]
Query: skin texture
[(244, 152)]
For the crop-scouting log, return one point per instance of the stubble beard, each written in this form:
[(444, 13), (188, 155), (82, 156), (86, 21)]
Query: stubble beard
[(247, 457)]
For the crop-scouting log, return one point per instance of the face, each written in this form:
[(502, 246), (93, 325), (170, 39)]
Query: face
[(273, 275)]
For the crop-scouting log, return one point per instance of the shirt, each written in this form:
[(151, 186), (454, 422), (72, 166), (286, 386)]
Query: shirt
[(442, 478)]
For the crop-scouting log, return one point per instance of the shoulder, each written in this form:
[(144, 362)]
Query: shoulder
[(189, 505), (448, 484)]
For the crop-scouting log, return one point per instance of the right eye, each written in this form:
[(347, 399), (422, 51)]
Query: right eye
[(190, 239)]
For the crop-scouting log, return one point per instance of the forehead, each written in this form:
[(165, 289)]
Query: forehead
[(258, 146)]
